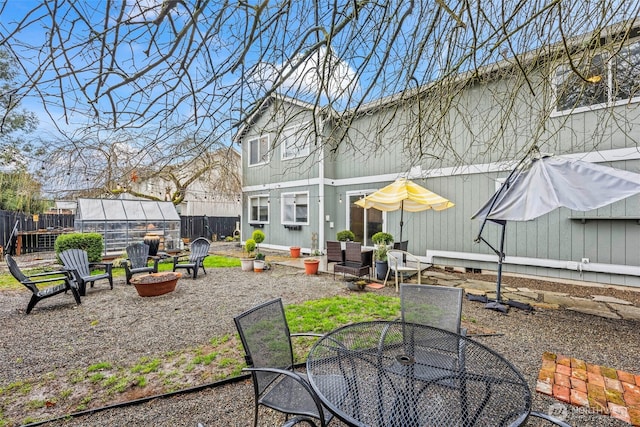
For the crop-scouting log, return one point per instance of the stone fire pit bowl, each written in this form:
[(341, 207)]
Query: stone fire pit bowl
[(155, 284)]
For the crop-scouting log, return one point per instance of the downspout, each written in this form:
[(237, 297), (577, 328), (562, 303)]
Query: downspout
[(321, 196)]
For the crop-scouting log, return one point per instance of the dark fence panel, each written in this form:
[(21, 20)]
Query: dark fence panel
[(26, 233), (212, 227), (39, 235)]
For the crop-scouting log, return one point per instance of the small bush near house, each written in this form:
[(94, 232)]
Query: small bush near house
[(90, 242), (345, 236)]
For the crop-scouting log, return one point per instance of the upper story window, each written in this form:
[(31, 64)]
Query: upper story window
[(608, 80), (259, 209), (295, 142), (295, 208), (259, 150)]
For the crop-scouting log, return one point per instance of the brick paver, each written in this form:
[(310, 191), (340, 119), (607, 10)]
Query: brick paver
[(600, 388)]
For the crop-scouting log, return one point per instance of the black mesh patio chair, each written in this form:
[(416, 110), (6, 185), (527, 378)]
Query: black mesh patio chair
[(77, 262), (138, 260), (269, 355), (52, 283), (198, 251), (437, 306), (334, 251)]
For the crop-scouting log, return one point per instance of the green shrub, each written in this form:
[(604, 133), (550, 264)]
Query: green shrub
[(90, 242), (382, 238), (345, 236), (250, 246), (258, 236)]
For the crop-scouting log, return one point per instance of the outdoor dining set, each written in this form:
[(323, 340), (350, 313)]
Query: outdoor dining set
[(419, 370)]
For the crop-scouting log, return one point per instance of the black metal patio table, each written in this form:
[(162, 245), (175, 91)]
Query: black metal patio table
[(401, 374)]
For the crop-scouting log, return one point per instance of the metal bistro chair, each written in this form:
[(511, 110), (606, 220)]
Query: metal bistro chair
[(437, 306), (441, 307), (138, 260), (57, 282), (77, 261), (268, 350), (198, 251)]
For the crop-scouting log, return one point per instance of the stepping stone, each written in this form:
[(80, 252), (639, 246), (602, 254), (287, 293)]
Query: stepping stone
[(527, 294), (475, 291), (612, 300), (479, 284), (438, 275), (628, 312)]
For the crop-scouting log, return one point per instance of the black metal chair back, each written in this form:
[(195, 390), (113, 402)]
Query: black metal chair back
[(265, 337), (266, 340), (437, 306)]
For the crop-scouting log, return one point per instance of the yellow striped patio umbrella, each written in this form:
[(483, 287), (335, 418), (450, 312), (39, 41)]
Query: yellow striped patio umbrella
[(404, 195)]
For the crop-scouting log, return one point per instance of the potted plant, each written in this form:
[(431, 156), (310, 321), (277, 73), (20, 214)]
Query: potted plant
[(294, 251), (311, 264), (382, 241), (247, 262), (258, 262)]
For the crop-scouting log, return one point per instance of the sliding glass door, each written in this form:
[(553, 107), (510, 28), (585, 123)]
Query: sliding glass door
[(363, 222)]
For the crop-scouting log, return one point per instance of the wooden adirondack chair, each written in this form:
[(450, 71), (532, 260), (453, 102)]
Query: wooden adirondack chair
[(57, 282), (77, 262), (138, 260), (199, 249)]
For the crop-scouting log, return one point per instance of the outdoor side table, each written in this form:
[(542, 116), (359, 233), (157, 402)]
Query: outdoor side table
[(401, 374)]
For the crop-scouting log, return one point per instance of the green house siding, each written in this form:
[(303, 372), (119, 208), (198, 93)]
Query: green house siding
[(451, 160)]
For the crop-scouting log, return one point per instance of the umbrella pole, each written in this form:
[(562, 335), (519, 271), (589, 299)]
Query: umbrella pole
[(401, 219), (497, 305)]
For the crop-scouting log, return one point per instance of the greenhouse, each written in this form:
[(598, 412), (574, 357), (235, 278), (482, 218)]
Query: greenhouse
[(125, 221)]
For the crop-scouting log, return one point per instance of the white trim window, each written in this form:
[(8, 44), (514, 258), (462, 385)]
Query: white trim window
[(607, 80), (295, 142), (295, 208), (258, 209), (259, 150)]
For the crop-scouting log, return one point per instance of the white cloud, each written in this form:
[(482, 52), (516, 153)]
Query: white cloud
[(321, 73)]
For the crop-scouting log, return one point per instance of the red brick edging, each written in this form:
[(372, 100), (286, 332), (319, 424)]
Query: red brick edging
[(599, 388)]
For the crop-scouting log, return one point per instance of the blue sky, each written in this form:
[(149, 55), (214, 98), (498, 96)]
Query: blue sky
[(376, 55)]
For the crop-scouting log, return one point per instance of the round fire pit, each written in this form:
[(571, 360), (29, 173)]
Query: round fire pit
[(155, 284)]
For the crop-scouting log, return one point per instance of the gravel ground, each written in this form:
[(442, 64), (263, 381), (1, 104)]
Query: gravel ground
[(118, 325)]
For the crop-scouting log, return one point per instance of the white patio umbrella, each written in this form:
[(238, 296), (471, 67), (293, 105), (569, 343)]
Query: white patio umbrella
[(544, 183), (404, 195)]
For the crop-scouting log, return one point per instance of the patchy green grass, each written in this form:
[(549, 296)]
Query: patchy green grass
[(222, 357)]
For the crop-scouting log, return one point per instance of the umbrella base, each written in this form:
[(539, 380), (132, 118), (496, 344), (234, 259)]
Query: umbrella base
[(495, 305)]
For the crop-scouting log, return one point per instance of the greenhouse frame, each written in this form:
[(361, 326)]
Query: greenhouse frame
[(124, 221)]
